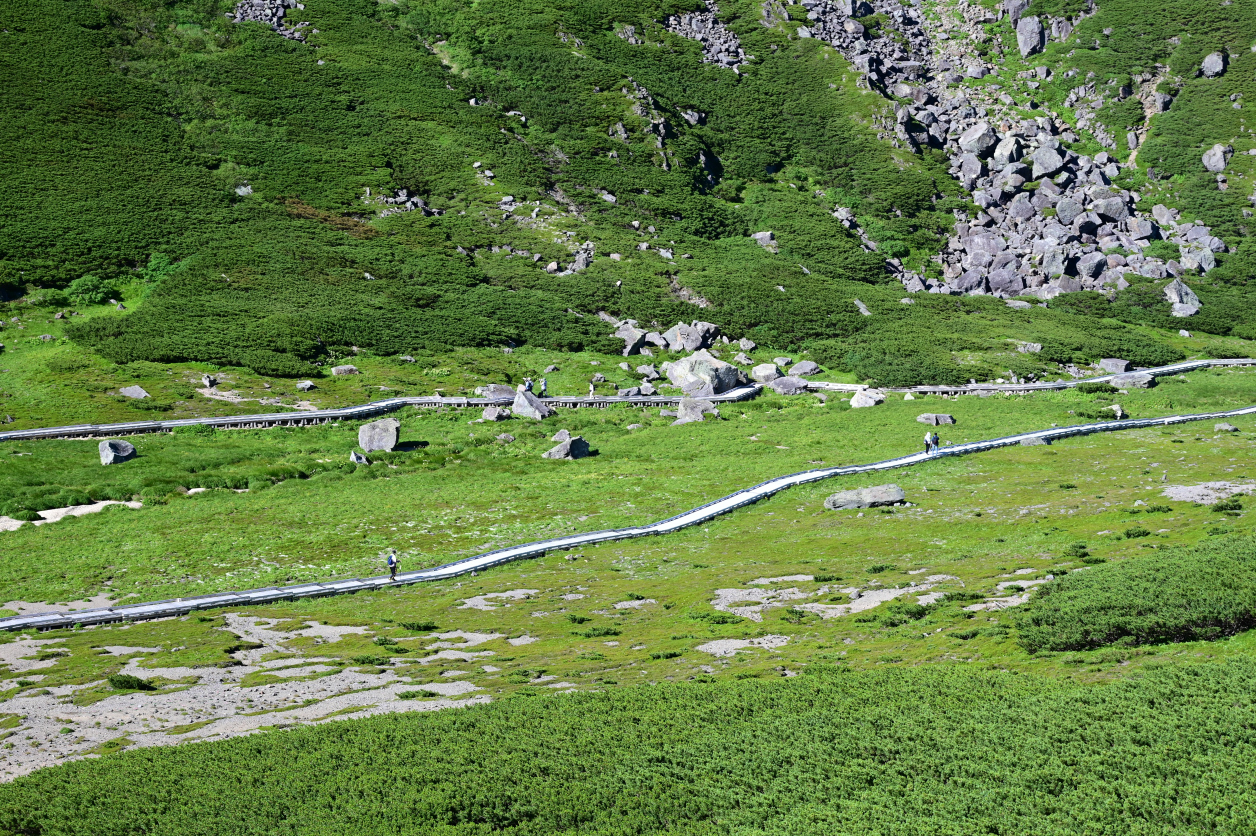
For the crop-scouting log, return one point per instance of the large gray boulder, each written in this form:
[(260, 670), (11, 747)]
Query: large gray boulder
[(136, 392), (1112, 209), (1067, 210), (765, 372), (702, 367), (1224, 428), (379, 435), (572, 448), (1114, 365), (116, 451), (1214, 65), (804, 368), (496, 391), (1047, 162), (633, 337), (344, 370), (305, 386), (358, 458), (865, 498), (788, 386), (528, 405), (1217, 157), (694, 410), (1183, 299), (1134, 380), (935, 419), (496, 413), (767, 240), (980, 139), (1015, 8), (866, 397), (1030, 36)]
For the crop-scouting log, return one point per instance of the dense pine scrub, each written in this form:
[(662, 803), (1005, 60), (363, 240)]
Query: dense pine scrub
[(1175, 595), (893, 752)]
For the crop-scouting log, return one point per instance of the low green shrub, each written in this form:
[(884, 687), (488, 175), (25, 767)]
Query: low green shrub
[(1170, 596), (130, 682), (1096, 388), (597, 632), (418, 694)]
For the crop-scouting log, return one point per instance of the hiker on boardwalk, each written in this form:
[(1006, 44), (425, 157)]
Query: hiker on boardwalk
[(527, 384), (933, 441), (543, 387), (928, 442), (392, 565), (591, 390)]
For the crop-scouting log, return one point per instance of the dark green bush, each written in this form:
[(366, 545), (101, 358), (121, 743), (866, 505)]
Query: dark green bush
[(597, 632), (1170, 596), (130, 682), (1096, 388)]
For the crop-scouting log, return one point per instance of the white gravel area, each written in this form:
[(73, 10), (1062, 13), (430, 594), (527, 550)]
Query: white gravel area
[(1208, 492), (520, 641), (633, 605), (482, 602), (54, 514), (728, 647), (866, 601), (14, 654), (29, 607), (466, 639), (750, 603), (782, 579)]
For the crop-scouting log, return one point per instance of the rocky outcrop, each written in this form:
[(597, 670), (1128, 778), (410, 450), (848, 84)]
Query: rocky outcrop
[(1183, 299), (788, 386), (272, 13), (702, 369), (528, 405), (574, 447), (866, 397), (719, 45), (694, 410)]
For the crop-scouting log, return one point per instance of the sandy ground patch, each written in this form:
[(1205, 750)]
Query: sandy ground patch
[(1208, 492), (866, 601), (455, 656), (574, 596), (999, 603), (482, 602), (727, 647), (522, 640), (14, 654), (235, 397), (27, 607), (1023, 584), (465, 639), (121, 650), (54, 514)]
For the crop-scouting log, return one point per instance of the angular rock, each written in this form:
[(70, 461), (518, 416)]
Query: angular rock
[(116, 451), (648, 372), (765, 373), (209, 381), (343, 370), (788, 386), (1068, 210), (379, 435), (496, 391), (305, 386), (767, 240), (573, 448), (743, 359), (980, 139), (866, 397), (804, 368), (561, 435), (746, 344), (1047, 162), (506, 438), (136, 392), (876, 497), (495, 413), (1030, 36), (703, 367), (1112, 209), (1007, 151), (1214, 65), (633, 337), (935, 419), (1033, 442), (358, 458), (528, 405), (694, 410), (1114, 365), (1133, 380), (1178, 293), (1217, 157), (1224, 428)]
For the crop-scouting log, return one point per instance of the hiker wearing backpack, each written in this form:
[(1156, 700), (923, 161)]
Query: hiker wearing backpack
[(392, 566)]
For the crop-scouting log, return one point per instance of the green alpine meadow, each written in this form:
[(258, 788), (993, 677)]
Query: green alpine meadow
[(743, 417)]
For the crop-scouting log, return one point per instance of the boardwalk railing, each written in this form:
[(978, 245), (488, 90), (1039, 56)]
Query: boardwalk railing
[(696, 516), (377, 408)]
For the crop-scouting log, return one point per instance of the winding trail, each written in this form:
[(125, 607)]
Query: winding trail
[(375, 408), (696, 516)]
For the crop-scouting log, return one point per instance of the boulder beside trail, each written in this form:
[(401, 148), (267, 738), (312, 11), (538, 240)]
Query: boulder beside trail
[(1114, 365), (788, 386), (1033, 442), (116, 451), (935, 419), (496, 391), (694, 410), (804, 368), (573, 448), (379, 435), (704, 368), (496, 413), (865, 498), (866, 397), (1225, 428), (1134, 380), (765, 373), (528, 405)]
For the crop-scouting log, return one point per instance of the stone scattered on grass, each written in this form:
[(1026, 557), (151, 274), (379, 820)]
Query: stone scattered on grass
[(935, 419), (136, 392), (573, 448), (116, 451), (379, 435), (874, 497)]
